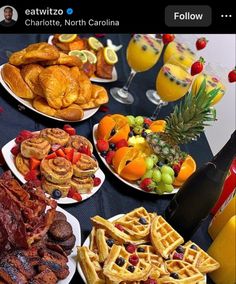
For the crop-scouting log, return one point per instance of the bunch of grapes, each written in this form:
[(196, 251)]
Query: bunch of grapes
[(138, 125)]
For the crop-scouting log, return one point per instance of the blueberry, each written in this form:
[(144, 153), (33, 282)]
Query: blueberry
[(56, 193), (180, 249), (174, 275), (103, 153), (146, 125), (113, 132), (144, 134), (140, 250), (131, 268), (131, 133), (144, 47), (143, 221), (160, 164), (194, 247), (112, 146), (120, 261), (110, 242)]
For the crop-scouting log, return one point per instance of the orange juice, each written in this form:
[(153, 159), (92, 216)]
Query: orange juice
[(143, 52), (182, 54), (212, 82), (172, 82)]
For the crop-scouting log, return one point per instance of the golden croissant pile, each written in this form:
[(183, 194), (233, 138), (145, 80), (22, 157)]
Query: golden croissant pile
[(52, 81)]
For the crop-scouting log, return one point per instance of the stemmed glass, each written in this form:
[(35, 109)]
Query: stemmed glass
[(142, 53)]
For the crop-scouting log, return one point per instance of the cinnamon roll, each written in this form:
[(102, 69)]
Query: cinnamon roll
[(35, 147), (85, 167), (49, 187), (55, 136), (82, 184), (76, 141), (58, 170), (22, 164)]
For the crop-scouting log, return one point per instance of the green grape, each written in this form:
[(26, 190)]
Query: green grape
[(166, 178), (160, 188), (138, 129), (139, 120), (149, 163), (131, 120), (169, 188), (155, 158), (156, 175), (148, 174), (167, 170)]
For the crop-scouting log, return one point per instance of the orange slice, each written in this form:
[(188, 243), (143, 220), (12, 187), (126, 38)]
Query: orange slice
[(158, 126), (187, 169)]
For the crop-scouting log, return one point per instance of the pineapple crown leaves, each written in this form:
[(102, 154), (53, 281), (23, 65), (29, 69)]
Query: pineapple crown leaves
[(189, 118)]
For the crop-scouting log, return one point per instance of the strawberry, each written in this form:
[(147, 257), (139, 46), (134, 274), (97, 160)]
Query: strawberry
[(147, 184), (197, 66), (31, 175), (147, 121), (51, 156), (34, 163), (121, 143), (69, 153), (77, 196), (96, 181), (119, 227), (60, 153), (102, 145), (55, 147), (201, 43), (69, 129), (167, 38), (176, 169), (26, 134), (110, 156), (71, 192), (76, 157), (15, 150), (232, 76), (85, 150)]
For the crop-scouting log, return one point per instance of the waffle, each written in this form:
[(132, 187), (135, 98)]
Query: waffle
[(122, 272), (90, 266), (92, 241), (136, 223), (199, 258)]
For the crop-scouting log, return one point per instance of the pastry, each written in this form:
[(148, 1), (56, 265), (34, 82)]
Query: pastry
[(163, 237), (70, 45), (55, 136), (85, 167), (71, 113), (58, 170), (34, 53), (103, 70), (30, 74), (65, 59), (93, 244), (35, 147), (78, 141), (42, 105), (119, 266), (22, 164), (82, 184), (89, 263), (12, 77), (85, 86), (49, 187)]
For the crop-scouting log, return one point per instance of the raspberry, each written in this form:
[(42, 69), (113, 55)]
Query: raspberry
[(130, 248), (31, 175), (110, 156), (19, 139), (177, 255), (119, 227), (96, 181), (134, 259), (102, 145), (149, 281), (121, 143), (15, 150)]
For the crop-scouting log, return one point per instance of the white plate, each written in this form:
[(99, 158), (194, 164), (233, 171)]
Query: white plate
[(95, 78), (9, 158), (87, 243), (73, 256), (27, 103), (132, 184)]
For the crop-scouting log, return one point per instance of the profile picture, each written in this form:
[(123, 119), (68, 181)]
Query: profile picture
[(8, 16)]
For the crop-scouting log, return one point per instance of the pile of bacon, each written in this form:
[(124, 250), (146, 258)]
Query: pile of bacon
[(25, 217)]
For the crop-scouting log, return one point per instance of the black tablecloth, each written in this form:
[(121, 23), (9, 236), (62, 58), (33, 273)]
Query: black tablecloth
[(114, 197)]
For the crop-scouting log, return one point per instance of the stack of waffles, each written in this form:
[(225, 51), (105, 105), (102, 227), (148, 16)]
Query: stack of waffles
[(141, 248)]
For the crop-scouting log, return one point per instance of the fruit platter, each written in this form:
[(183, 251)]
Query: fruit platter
[(58, 160), (137, 247)]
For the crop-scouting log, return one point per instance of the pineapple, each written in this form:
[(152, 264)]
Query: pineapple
[(183, 125)]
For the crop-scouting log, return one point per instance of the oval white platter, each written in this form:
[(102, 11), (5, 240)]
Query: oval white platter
[(27, 103), (131, 184), (9, 158)]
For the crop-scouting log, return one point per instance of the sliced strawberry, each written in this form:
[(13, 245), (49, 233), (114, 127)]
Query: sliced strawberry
[(70, 130), (15, 150), (121, 143), (51, 156), (66, 126), (71, 192), (110, 156), (76, 157), (55, 147), (31, 175), (70, 154), (85, 150), (19, 139), (26, 134), (96, 181), (77, 196), (102, 145), (34, 163), (60, 153)]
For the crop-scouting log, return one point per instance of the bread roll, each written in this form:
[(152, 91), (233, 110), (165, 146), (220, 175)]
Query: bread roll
[(72, 113)]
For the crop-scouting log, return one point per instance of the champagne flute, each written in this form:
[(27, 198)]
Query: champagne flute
[(142, 53)]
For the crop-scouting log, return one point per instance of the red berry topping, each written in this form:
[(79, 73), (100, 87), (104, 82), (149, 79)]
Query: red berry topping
[(102, 145), (77, 196), (110, 156), (232, 76), (119, 227), (76, 157), (166, 38), (85, 150), (96, 181), (177, 255), (149, 281), (130, 248), (15, 150), (71, 192), (31, 175), (201, 43), (121, 143), (147, 184), (197, 66), (134, 259)]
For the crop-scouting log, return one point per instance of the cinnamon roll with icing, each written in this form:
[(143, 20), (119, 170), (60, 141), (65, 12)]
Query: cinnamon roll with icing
[(82, 184), (76, 141), (55, 136), (35, 147), (85, 167), (58, 170)]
